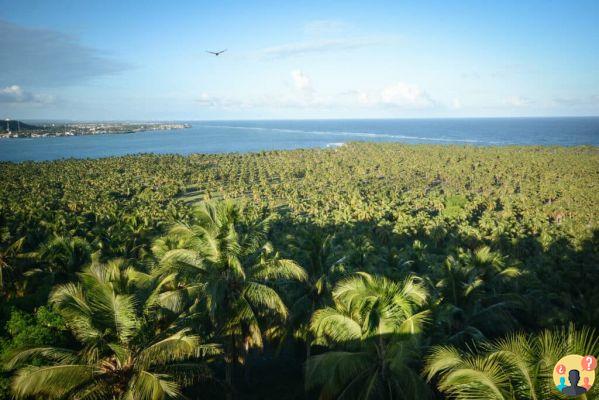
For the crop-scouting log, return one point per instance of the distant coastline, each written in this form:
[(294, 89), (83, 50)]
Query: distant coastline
[(209, 137), (17, 129)]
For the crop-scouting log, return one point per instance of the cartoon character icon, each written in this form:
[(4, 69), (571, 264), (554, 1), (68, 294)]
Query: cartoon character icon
[(574, 375), (574, 389), (562, 383)]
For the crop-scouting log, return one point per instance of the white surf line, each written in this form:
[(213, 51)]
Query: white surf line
[(358, 134)]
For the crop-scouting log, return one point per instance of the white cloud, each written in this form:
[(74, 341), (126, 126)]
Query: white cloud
[(305, 95), (404, 94), (301, 81), (364, 98), (400, 94), (16, 94), (12, 93), (456, 104), (206, 100), (518, 101)]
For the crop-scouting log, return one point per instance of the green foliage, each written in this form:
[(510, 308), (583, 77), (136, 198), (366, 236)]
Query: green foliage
[(371, 330), (517, 367), (224, 262), (121, 353), (26, 330), (454, 205), (31, 330), (294, 256)]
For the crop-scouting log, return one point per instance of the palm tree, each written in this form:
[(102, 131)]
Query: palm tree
[(321, 264), (8, 259), (64, 256), (517, 367), (224, 257), (371, 330), (121, 355), (489, 268), (473, 297), (323, 268)]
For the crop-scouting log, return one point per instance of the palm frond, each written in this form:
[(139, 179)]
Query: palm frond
[(177, 347), (279, 269), (152, 386), (50, 381), (55, 354), (414, 323), (479, 378), (125, 318), (262, 296), (70, 300), (329, 324), (440, 360), (176, 300), (180, 259)]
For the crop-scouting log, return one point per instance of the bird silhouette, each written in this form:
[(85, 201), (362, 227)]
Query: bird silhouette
[(216, 53)]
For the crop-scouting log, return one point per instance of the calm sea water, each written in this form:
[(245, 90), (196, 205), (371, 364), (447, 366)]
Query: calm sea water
[(250, 136)]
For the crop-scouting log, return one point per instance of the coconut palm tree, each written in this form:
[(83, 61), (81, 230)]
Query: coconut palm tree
[(224, 257), (9, 257), (473, 301), (372, 333), (121, 353), (63, 256), (324, 267), (517, 367)]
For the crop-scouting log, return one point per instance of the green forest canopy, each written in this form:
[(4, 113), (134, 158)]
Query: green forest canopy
[(483, 242)]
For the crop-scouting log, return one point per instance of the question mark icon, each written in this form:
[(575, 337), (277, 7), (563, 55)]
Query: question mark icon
[(560, 369), (588, 363)]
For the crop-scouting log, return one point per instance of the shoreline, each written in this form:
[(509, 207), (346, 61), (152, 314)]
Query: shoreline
[(330, 147), (87, 129)]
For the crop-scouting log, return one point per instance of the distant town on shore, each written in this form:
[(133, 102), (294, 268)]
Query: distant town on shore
[(19, 129)]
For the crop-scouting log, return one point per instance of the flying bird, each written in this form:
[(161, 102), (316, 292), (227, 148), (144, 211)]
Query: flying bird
[(216, 53)]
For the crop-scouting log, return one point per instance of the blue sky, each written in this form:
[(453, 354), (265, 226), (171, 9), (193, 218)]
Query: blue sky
[(144, 60)]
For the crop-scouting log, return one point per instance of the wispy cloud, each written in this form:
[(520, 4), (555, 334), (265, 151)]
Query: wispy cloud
[(500, 72), (577, 101), (470, 75), (303, 95), (317, 46), (15, 94), (43, 57), (325, 27), (214, 101), (275, 100), (400, 95)]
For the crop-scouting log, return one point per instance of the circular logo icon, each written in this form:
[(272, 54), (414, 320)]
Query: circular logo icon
[(574, 375)]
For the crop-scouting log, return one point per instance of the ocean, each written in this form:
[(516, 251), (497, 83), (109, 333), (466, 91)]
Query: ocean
[(253, 136)]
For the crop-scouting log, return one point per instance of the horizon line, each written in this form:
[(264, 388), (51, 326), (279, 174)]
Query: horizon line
[(297, 119)]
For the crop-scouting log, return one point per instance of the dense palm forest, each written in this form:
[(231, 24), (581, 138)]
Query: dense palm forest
[(371, 271)]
